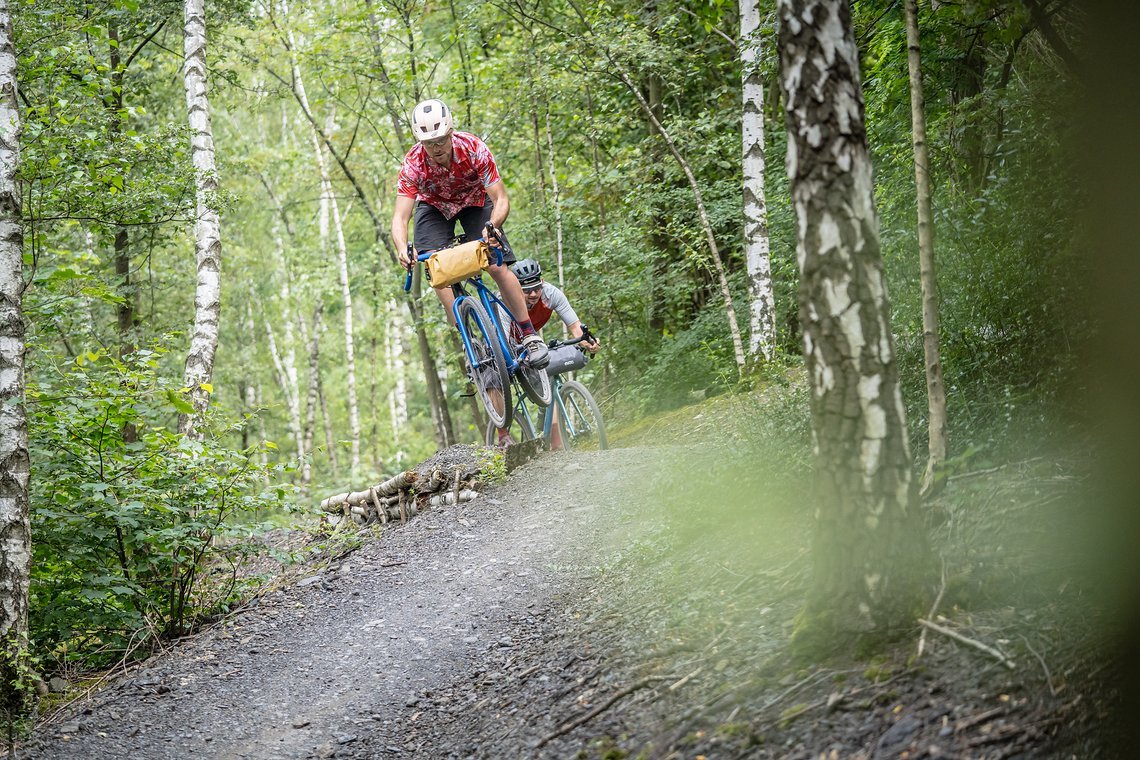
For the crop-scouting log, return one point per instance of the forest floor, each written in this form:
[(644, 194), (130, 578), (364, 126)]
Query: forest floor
[(630, 603)]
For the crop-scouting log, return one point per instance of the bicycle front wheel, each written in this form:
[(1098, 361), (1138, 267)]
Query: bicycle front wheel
[(489, 373), (521, 430), (582, 420), (535, 383)]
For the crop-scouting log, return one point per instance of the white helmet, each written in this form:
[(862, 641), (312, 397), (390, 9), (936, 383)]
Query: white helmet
[(431, 119)]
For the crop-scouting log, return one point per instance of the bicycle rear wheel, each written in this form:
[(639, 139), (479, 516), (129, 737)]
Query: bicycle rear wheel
[(582, 423), (521, 430), (492, 383)]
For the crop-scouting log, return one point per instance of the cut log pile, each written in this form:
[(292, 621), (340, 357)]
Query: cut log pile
[(452, 476)]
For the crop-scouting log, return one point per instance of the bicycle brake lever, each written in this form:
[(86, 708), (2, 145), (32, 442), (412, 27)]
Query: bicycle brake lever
[(411, 264)]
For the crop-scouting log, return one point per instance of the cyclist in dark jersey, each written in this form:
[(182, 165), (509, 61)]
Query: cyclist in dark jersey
[(450, 177)]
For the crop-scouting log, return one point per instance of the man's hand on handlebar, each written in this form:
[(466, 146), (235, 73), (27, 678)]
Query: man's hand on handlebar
[(407, 258), (491, 234)]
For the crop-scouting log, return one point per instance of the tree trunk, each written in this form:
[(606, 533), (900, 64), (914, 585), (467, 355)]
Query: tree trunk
[(349, 339), (870, 553), (326, 421), (935, 388), (288, 389), (398, 395), (311, 400), (762, 301), (207, 229), (556, 193), (478, 417), (596, 162), (114, 105), (15, 464), (440, 414)]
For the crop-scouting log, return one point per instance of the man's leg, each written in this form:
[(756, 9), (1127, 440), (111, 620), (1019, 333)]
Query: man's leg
[(447, 298), (473, 219), (434, 231)]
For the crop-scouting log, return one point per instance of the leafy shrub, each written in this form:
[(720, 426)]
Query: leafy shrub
[(127, 514), (697, 359)]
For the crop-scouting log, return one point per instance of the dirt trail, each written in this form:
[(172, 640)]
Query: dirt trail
[(347, 663), (630, 603)]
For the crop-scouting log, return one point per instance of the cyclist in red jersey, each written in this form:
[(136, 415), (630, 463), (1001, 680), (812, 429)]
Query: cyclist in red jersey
[(450, 177), (543, 301)]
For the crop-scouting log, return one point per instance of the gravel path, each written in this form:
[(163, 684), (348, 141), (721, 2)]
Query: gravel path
[(628, 603), (388, 652)]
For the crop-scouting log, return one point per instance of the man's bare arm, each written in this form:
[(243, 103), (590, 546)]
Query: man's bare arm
[(401, 215)]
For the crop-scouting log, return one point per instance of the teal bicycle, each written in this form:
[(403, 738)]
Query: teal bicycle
[(579, 417), (494, 360)]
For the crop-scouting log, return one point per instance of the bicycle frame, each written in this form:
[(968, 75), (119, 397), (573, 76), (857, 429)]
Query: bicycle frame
[(489, 300), (523, 408)]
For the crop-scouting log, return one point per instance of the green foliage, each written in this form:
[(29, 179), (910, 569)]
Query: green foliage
[(127, 514), (124, 509), (493, 466), (699, 358)]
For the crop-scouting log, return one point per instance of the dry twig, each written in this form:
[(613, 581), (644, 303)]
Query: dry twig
[(569, 726), (933, 609), (997, 655)]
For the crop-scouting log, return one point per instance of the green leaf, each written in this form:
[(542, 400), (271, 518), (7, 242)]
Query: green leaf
[(179, 402)]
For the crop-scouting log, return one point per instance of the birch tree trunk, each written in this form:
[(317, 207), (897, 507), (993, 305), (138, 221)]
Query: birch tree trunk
[(349, 339), (762, 302), (326, 421), (207, 229), (311, 400), (288, 390), (935, 388), (394, 369), (15, 465), (870, 553)]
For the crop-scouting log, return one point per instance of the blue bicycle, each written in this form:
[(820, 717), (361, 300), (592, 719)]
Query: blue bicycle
[(494, 359)]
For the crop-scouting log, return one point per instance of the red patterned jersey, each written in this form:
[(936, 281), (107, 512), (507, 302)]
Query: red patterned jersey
[(453, 188)]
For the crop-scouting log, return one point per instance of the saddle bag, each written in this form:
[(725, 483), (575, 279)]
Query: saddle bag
[(452, 265), (566, 359)]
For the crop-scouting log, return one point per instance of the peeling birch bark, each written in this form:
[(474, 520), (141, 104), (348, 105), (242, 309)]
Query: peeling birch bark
[(762, 301), (389, 487), (870, 552), (15, 463), (199, 368)]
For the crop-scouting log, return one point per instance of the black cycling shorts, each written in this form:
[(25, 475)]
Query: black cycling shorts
[(434, 231)]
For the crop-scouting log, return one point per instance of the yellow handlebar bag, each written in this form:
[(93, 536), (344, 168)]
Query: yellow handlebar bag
[(451, 265)]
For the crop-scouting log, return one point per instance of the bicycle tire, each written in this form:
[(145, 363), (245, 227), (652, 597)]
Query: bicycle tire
[(521, 430), (585, 417), (491, 366), (535, 383)]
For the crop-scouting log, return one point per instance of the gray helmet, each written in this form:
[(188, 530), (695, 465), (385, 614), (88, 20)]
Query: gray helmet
[(529, 273)]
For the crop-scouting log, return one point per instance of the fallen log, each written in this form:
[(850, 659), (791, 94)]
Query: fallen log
[(451, 497), (390, 487), (367, 514)]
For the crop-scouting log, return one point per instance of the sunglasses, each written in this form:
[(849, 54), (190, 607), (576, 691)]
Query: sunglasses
[(530, 287), (438, 142)]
